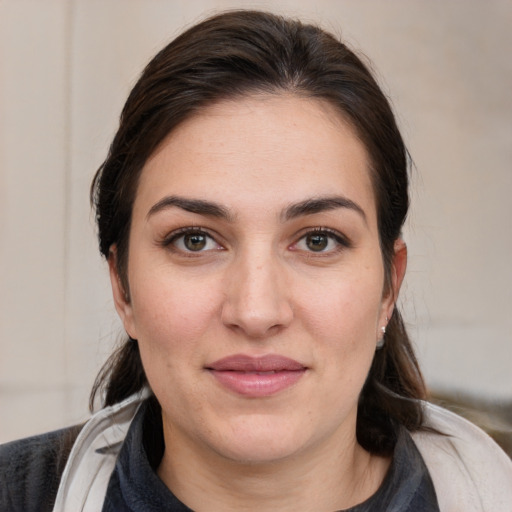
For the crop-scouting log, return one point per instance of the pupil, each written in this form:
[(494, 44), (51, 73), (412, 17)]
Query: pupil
[(317, 242), (195, 242)]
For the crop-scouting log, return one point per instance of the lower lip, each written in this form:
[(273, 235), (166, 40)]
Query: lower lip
[(257, 385)]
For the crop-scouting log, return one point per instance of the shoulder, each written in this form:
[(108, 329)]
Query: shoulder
[(469, 470), (30, 470)]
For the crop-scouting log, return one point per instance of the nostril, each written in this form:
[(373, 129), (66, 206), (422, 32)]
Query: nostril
[(255, 323)]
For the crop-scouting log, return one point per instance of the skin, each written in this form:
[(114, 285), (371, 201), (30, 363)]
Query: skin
[(257, 286)]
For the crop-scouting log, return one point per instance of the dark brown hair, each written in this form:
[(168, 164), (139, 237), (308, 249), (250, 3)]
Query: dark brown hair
[(235, 54)]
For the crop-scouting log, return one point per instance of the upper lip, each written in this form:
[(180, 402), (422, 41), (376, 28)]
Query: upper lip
[(246, 363)]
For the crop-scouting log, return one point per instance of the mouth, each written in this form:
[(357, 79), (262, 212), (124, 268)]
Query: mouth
[(256, 377)]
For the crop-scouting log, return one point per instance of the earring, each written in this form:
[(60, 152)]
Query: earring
[(381, 341)]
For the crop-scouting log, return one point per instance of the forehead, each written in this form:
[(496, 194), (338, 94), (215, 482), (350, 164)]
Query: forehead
[(273, 148)]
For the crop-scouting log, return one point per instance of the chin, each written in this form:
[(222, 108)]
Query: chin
[(260, 444), (257, 454)]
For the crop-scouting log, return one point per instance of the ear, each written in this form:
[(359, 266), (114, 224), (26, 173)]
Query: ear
[(121, 297), (398, 267)]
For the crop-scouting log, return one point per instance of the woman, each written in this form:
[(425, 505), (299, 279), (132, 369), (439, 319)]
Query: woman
[(250, 209)]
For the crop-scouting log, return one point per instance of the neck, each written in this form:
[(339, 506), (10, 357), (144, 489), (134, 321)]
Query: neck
[(320, 478)]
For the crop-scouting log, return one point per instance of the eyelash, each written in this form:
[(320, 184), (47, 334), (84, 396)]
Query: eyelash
[(342, 242), (170, 240)]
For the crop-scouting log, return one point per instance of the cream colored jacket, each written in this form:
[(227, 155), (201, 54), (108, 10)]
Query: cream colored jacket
[(470, 472)]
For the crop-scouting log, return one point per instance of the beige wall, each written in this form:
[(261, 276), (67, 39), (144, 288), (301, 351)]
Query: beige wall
[(65, 70)]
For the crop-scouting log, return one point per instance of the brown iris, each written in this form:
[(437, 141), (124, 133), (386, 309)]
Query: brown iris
[(317, 242), (194, 241)]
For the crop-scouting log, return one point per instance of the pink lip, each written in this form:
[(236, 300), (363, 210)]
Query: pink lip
[(257, 376)]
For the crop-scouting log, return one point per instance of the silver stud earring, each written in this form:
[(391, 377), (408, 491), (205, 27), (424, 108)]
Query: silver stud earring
[(381, 340)]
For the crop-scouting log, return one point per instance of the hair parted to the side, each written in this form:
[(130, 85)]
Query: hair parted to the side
[(235, 54)]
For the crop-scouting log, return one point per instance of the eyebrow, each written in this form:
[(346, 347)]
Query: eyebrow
[(321, 204), (198, 206), (212, 209)]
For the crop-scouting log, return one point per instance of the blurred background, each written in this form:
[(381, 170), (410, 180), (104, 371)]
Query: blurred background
[(66, 67)]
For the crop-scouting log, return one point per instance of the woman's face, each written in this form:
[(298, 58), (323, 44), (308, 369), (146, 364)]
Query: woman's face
[(256, 279)]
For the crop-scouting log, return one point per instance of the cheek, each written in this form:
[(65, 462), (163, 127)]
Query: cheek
[(172, 320), (345, 306), (171, 313)]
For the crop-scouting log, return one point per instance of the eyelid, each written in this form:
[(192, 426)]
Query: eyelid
[(342, 240), (173, 236)]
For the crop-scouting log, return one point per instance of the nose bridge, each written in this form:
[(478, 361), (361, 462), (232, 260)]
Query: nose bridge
[(257, 302)]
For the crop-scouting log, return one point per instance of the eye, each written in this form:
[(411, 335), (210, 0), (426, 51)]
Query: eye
[(192, 240), (321, 241)]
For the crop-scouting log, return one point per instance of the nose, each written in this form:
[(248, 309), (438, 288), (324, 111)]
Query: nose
[(257, 300)]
